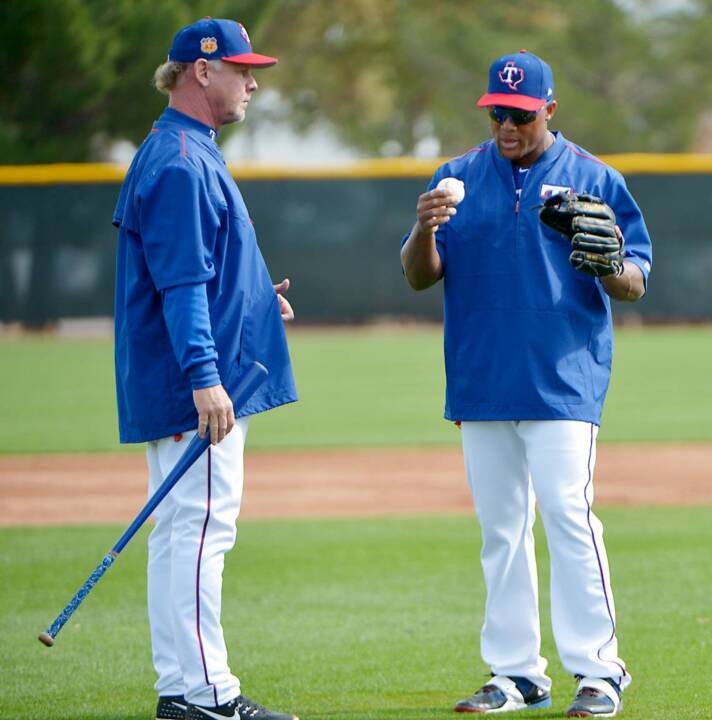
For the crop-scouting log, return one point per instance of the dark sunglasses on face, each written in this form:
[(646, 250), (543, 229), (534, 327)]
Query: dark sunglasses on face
[(518, 117)]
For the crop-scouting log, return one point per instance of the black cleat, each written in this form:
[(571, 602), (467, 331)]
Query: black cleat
[(595, 697), (503, 694), (171, 707), (238, 709)]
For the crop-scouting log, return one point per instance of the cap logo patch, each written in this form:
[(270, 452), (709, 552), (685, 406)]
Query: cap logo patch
[(208, 45), (244, 34), (511, 75)]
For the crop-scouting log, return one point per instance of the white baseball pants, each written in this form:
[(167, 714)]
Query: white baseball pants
[(510, 465), (195, 527)]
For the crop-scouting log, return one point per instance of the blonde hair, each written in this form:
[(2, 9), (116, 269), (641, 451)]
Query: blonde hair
[(166, 76)]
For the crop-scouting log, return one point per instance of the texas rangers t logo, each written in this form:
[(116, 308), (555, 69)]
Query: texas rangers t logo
[(244, 34), (511, 75)]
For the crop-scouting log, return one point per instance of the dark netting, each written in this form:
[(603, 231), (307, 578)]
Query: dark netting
[(337, 239)]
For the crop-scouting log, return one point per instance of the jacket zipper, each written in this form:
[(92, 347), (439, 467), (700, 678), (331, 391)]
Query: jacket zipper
[(517, 206)]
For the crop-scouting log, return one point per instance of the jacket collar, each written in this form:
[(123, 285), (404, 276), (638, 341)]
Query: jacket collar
[(170, 116), (547, 158)]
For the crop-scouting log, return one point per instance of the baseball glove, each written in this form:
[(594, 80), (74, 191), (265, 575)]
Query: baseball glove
[(590, 224)]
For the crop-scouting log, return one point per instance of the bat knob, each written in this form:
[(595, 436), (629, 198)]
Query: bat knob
[(46, 639)]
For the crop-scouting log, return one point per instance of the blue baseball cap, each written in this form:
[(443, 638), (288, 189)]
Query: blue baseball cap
[(213, 39), (522, 80)]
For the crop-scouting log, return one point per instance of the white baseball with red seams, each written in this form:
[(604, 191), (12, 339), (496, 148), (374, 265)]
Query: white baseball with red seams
[(454, 186)]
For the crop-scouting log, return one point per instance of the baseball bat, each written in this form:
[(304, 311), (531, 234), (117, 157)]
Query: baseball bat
[(245, 388)]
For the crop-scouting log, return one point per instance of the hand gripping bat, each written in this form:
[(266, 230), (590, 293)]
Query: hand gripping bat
[(245, 386)]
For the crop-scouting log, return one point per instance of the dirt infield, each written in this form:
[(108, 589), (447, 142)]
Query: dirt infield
[(78, 489)]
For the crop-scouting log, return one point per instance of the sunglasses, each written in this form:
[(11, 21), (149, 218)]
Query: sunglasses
[(518, 117)]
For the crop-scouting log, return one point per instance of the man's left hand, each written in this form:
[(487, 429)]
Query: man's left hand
[(596, 240), (285, 308)]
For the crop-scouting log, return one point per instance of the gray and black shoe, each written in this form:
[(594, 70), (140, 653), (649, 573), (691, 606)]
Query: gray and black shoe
[(240, 708), (171, 707), (504, 694), (596, 697)]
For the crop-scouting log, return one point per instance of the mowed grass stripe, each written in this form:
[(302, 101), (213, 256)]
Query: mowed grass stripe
[(347, 620), (358, 388)]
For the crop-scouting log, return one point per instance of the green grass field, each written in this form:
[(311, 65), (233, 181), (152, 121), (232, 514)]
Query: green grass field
[(372, 619), (347, 619), (358, 387)]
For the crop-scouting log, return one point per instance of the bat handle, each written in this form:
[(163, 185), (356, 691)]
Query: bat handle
[(50, 634), (240, 390)]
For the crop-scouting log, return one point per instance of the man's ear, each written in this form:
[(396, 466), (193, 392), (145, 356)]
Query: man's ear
[(550, 110), (200, 72)]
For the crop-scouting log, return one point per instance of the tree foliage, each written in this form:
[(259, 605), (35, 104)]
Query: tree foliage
[(401, 68), (77, 73), (384, 73)]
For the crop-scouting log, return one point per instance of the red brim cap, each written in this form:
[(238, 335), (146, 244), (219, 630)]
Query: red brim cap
[(521, 102), (252, 59)]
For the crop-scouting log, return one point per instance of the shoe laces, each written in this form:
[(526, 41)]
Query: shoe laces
[(250, 708), (589, 692)]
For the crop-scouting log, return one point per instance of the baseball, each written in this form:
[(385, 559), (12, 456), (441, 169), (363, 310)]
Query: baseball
[(454, 187)]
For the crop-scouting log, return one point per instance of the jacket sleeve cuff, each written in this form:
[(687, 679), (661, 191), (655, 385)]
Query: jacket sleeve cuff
[(204, 375)]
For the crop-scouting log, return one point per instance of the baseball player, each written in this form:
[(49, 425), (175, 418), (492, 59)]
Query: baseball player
[(194, 302), (528, 346)]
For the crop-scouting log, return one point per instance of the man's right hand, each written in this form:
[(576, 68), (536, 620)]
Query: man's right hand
[(435, 208), (419, 257), (215, 413)]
